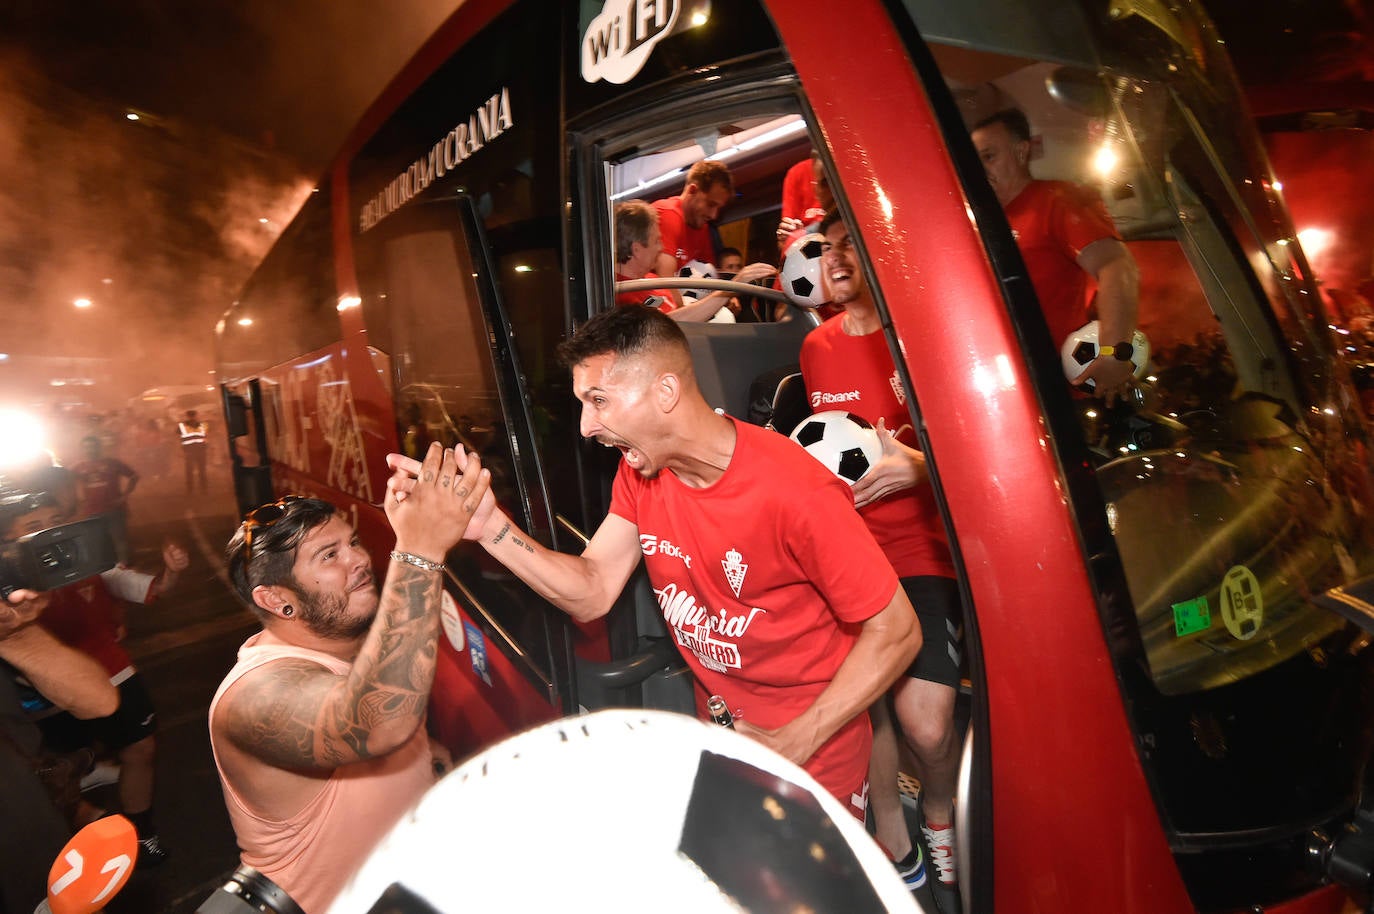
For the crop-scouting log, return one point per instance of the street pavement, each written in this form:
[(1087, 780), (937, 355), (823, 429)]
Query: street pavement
[(182, 645)]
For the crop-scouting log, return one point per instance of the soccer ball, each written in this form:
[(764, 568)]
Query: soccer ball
[(846, 444), (1080, 348), (695, 269), (802, 277)]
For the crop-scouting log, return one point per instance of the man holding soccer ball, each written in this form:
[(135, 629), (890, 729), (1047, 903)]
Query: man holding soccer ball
[(846, 361), (776, 594), (1066, 237)]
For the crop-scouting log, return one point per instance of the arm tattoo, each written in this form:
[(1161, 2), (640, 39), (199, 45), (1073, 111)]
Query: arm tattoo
[(295, 714), (521, 543), (501, 535)]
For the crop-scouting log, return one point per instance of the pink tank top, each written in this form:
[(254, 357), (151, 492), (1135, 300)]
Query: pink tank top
[(314, 852)]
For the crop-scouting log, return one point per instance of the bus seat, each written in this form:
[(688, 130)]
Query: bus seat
[(729, 357)]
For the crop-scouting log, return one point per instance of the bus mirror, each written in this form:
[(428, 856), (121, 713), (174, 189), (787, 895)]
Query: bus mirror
[(1078, 90), (236, 416)]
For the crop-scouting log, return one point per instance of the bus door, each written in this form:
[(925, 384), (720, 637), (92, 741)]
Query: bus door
[(428, 284), (247, 433), (1216, 507)]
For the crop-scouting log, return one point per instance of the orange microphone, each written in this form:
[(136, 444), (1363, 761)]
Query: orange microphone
[(93, 866)]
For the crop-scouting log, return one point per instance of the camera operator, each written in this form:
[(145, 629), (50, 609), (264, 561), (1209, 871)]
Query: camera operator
[(86, 616), (35, 830)]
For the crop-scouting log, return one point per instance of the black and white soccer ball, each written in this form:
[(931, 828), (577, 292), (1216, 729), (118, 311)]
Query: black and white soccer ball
[(846, 444), (667, 805), (696, 269), (802, 277), (1080, 347)]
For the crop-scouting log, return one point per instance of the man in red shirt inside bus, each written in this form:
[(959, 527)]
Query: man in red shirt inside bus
[(638, 248), (684, 220), (777, 596), (1066, 238)]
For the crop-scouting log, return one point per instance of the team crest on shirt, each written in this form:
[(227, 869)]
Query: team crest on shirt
[(735, 569), (897, 388)]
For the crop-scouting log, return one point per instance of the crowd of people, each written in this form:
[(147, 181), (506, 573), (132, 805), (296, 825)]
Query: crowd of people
[(74, 712)]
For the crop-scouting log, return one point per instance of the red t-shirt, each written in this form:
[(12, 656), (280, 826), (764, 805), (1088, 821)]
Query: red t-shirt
[(855, 374), (763, 578), (799, 193), (685, 244), (664, 298), (97, 483), (1053, 222), (87, 617)]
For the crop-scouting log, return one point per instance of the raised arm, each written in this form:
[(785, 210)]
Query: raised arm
[(295, 714), (584, 586)]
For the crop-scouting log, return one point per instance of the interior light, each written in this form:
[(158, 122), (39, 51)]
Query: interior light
[(699, 18), (131, 115), (1278, 185), (522, 268), (245, 322), (82, 303), (349, 301)]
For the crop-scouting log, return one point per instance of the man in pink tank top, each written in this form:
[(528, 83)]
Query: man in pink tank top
[(318, 730)]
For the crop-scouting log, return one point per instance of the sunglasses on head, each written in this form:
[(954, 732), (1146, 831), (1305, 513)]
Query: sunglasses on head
[(264, 516)]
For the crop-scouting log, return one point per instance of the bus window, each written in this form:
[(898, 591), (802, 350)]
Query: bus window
[(1225, 496), (425, 321), (289, 306)]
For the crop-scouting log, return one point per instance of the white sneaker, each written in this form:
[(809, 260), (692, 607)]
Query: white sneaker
[(101, 773), (940, 841)]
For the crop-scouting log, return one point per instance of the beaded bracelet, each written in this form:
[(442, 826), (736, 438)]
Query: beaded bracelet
[(412, 559)]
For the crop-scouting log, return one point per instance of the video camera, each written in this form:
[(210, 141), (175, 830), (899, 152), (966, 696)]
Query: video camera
[(51, 558)]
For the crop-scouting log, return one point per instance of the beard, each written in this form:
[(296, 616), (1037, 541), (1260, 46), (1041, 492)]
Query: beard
[(326, 614)]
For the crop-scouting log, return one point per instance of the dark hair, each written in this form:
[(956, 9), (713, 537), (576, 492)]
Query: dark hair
[(726, 252), (706, 174), (831, 217), (274, 545), (623, 332), (1013, 119), (634, 219)]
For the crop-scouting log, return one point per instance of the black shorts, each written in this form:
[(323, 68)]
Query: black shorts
[(132, 721), (941, 615)]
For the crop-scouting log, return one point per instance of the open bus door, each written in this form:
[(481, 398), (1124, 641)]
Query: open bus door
[(249, 461)]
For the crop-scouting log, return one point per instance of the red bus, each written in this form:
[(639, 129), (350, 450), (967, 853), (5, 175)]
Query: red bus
[(1164, 713)]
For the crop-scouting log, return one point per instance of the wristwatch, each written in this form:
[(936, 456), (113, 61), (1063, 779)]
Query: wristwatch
[(1122, 352)]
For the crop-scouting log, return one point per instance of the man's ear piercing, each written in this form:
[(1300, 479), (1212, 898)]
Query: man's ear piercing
[(288, 611)]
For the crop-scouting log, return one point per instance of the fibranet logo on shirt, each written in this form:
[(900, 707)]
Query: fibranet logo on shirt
[(650, 544), (707, 635), (825, 397)]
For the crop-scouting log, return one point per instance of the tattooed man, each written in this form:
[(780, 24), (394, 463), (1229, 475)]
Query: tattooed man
[(318, 730)]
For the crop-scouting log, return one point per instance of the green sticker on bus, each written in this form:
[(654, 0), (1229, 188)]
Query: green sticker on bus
[(1191, 616)]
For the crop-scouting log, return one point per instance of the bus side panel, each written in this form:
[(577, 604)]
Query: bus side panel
[(1061, 747), (472, 713)]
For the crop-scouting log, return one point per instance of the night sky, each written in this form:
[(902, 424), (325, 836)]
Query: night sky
[(158, 222)]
